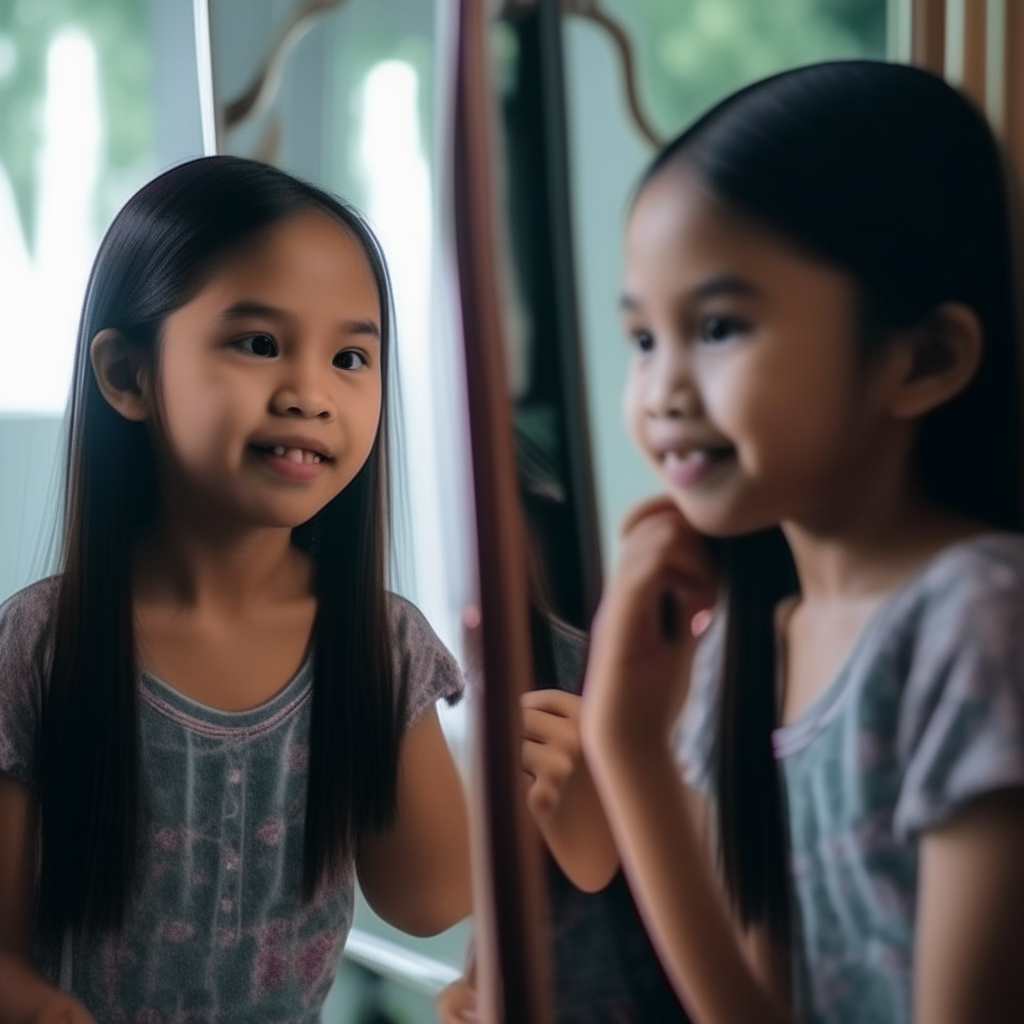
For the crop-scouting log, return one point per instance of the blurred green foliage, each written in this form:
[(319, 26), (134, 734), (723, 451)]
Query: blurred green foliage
[(693, 52), (120, 32)]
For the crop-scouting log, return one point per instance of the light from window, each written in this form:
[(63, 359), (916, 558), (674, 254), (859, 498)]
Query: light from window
[(42, 285)]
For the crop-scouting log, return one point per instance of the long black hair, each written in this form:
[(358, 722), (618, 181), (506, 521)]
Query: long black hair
[(156, 255), (890, 175)]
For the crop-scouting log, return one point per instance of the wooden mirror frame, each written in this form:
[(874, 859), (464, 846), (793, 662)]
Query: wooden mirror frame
[(512, 944)]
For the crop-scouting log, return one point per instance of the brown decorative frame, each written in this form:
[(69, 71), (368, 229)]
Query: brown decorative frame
[(592, 11), (509, 889)]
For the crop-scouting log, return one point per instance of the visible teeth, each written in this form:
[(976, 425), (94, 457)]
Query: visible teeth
[(300, 456), (694, 455)]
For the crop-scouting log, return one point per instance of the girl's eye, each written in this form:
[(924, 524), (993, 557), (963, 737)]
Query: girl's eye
[(720, 328), (259, 345), (642, 341), (350, 359)]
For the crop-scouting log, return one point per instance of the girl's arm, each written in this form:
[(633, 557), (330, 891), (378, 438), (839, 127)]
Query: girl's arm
[(970, 916), (416, 874), (636, 685), (561, 794), (673, 881), (25, 998)]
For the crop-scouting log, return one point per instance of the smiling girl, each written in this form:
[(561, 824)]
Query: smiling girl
[(216, 718), (819, 298)]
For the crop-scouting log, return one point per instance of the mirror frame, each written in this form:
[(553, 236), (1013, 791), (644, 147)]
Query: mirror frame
[(512, 942)]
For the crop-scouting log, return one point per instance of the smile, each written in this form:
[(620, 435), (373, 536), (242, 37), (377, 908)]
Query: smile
[(292, 461), (300, 456), (685, 469)]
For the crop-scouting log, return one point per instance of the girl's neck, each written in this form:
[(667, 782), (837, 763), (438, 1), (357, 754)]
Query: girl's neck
[(177, 561), (875, 548)]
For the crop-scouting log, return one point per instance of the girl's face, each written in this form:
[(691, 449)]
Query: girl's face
[(745, 390), (269, 380)]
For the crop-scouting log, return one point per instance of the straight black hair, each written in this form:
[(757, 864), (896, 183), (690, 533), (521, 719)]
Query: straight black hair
[(887, 173), (157, 254)]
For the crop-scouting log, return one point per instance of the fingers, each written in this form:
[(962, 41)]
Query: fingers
[(555, 730), (554, 702), (661, 551), (543, 761), (456, 1004), (651, 506), (669, 532), (65, 1010)]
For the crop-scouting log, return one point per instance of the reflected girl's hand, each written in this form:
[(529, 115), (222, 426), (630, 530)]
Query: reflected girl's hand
[(551, 751), (560, 791), (643, 643)]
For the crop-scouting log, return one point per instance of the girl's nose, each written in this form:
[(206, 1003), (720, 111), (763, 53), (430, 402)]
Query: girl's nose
[(671, 390), (303, 393)]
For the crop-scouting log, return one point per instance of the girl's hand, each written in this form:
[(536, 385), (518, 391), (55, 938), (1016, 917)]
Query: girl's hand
[(63, 1009), (456, 1004), (639, 668), (26, 998), (561, 794)]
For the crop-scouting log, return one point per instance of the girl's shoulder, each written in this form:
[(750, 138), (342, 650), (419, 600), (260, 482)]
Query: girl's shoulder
[(942, 683), (424, 668), (955, 626), (987, 561), (970, 592), (27, 621)]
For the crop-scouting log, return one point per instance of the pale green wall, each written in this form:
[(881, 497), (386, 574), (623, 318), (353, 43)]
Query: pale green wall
[(30, 457), (607, 157)]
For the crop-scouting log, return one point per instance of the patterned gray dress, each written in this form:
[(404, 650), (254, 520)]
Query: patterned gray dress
[(926, 715), (217, 931)]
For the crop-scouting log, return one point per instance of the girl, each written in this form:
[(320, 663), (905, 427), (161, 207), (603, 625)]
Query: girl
[(215, 716), (819, 298)]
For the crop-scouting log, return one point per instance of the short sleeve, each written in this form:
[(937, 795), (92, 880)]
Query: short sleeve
[(26, 644), (961, 724), (569, 648), (423, 664), (695, 732)]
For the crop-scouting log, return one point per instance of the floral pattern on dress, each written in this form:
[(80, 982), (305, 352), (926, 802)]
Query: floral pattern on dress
[(217, 932), (926, 715)]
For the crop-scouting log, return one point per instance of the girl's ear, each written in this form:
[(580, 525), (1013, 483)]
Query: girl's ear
[(122, 372), (937, 361)]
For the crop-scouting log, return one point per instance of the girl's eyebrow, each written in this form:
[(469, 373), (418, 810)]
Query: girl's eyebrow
[(361, 327), (726, 284), (248, 308)]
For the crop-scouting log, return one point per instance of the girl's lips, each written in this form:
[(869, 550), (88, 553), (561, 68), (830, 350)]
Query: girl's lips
[(693, 467), (292, 463)]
